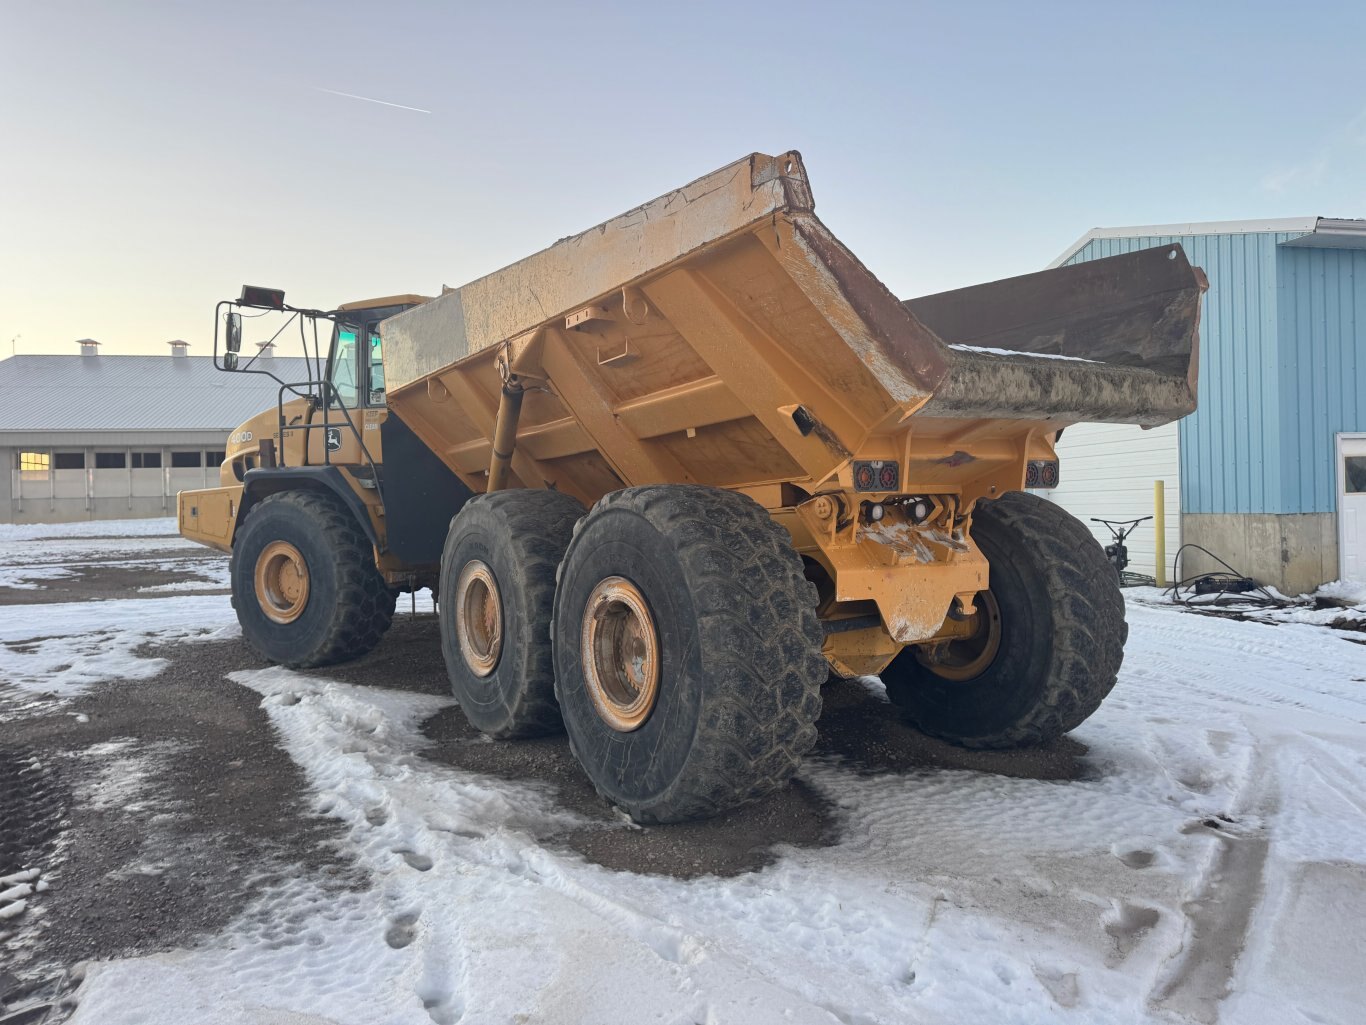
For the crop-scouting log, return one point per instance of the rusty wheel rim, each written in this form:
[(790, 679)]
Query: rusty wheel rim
[(281, 581), (479, 617), (965, 659), (620, 652)]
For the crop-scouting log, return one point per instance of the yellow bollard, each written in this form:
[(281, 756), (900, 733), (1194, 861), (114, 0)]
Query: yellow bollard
[(1160, 525)]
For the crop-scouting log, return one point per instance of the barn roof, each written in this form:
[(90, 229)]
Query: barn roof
[(130, 393)]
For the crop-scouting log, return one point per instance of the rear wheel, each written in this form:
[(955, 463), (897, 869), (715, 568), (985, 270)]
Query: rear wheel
[(304, 581), (1047, 642), (497, 592), (687, 651)]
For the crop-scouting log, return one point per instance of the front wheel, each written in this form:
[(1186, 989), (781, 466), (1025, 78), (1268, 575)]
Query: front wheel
[(1047, 639), (687, 651), (304, 582)]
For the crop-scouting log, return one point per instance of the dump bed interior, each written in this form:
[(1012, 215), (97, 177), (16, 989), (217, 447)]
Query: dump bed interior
[(722, 335)]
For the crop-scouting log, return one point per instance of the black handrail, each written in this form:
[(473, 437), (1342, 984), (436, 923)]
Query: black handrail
[(319, 390)]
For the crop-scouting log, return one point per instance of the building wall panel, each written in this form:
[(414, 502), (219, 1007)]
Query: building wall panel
[(1322, 304)]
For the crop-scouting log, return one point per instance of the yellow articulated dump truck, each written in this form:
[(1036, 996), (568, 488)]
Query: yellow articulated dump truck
[(669, 475)]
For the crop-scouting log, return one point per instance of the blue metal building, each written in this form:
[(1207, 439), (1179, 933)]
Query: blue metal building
[(1267, 462)]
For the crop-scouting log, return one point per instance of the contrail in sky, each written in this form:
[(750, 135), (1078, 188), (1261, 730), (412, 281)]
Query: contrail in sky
[(371, 99)]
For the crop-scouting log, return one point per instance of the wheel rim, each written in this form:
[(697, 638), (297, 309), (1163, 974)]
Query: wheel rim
[(281, 580), (971, 656), (620, 653), (479, 617)]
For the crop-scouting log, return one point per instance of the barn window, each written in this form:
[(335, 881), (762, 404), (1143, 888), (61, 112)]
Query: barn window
[(68, 461), (187, 459), (146, 460), (34, 462), (110, 460), (214, 458)]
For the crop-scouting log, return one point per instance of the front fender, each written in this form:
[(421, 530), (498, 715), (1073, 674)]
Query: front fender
[(259, 483)]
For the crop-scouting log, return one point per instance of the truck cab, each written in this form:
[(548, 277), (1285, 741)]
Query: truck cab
[(328, 439)]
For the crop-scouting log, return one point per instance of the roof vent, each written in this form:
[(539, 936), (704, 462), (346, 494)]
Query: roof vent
[(267, 350), (179, 348), (89, 347)]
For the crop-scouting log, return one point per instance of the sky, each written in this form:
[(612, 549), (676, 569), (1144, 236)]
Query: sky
[(158, 155)]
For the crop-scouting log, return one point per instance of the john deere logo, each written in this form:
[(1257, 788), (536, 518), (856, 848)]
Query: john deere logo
[(333, 439)]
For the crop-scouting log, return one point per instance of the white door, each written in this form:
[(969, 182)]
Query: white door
[(1108, 472), (1352, 506)]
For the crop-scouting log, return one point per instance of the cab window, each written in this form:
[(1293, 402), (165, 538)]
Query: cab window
[(376, 386), (343, 371)]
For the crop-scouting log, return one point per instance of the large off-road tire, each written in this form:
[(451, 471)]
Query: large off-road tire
[(304, 581), (688, 656), (1058, 618), (497, 595)]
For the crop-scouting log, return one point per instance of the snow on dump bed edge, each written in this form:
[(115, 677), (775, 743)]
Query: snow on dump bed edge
[(1208, 865), (990, 351)]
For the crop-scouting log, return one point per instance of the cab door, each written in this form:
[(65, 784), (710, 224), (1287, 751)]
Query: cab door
[(356, 397)]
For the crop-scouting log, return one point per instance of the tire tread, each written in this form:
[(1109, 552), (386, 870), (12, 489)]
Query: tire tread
[(1088, 615), (539, 524), (751, 737), (364, 604)]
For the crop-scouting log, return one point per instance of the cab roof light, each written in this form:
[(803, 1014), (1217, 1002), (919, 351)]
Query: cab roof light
[(263, 298)]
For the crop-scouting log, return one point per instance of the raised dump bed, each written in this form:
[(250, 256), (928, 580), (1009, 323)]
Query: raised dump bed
[(721, 335), (713, 460)]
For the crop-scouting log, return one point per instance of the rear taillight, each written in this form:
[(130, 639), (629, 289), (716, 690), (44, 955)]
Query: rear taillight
[(1041, 473)]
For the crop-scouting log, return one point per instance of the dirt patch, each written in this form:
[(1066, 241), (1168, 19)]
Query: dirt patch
[(101, 577), (869, 735), (175, 806)]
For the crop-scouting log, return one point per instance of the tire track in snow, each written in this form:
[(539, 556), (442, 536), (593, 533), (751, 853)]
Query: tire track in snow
[(1219, 913)]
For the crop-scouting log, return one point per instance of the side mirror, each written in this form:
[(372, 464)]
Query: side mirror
[(233, 342)]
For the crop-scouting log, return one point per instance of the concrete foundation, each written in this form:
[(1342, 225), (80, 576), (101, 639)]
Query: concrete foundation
[(76, 510), (1295, 553)]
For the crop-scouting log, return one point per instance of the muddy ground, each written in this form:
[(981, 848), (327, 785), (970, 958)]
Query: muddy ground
[(151, 863)]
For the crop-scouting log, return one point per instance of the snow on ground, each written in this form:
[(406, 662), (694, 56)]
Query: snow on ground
[(1209, 865), (60, 649), (1349, 592), (160, 526), (40, 553), (126, 551), (29, 577), (1341, 604), (214, 577), (1213, 865)]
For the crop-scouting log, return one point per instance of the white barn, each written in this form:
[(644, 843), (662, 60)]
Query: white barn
[(90, 437)]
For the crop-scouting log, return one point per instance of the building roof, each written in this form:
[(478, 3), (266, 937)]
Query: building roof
[(1328, 232), (131, 393)]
